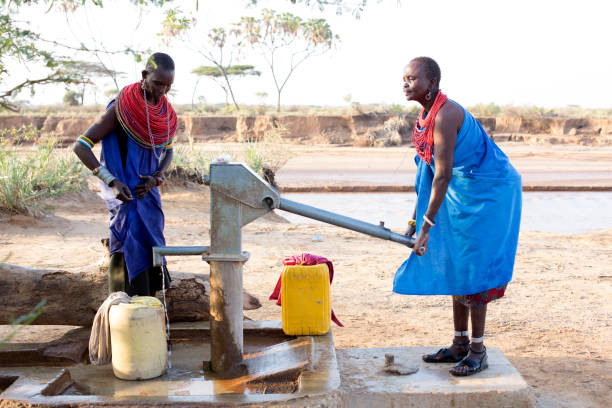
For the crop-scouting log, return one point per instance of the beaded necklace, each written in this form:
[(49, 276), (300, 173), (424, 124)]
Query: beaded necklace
[(422, 135), (146, 103), (150, 127)]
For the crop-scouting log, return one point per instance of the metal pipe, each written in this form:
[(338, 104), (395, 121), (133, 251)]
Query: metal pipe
[(379, 231), (226, 321), (160, 251)]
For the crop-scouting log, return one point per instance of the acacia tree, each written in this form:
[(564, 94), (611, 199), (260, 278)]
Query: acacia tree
[(93, 70), (21, 45), (353, 6), (222, 52), (222, 76), (285, 41)]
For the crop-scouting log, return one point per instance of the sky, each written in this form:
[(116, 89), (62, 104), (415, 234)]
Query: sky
[(520, 52)]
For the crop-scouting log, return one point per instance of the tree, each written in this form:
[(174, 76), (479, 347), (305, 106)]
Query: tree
[(88, 70), (24, 46), (222, 60), (222, 76), (355, 7), (284, 39), (73, 98), (21, 45)]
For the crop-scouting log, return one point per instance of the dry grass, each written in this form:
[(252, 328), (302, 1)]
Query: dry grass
[(354, 108), (389, 134), (32, 169)]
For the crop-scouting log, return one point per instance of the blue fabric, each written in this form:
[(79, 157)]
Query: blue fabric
[(138, 225), (473, 244)]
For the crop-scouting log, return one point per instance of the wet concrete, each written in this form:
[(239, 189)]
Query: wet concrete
[(366, 384), (303, 371), (278, 369)]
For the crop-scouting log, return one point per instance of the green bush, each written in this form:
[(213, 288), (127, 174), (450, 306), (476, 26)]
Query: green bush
[(397, 109), (32, 169), (73, 98), (189, 162), (481, 109), (192, 162), (270, 152)]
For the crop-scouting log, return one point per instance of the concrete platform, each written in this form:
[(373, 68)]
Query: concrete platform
[(364, 384), (282, 371), (330, 378)]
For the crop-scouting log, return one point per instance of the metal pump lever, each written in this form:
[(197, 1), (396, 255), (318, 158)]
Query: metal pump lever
[(379, 231)]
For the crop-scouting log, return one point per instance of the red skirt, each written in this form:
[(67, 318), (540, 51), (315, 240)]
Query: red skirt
[(482, 298)]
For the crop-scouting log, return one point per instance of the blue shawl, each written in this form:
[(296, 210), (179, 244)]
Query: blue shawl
[(473, 244)]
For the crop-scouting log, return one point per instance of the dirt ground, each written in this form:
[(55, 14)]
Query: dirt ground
[(554, 324)]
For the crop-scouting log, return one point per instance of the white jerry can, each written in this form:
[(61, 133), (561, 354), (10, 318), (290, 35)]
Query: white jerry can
[(138, 339)]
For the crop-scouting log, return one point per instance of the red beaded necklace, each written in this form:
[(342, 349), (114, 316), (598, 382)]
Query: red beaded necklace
[(151, 126), (422, 135)]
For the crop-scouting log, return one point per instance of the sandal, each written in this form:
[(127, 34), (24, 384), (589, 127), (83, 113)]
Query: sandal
[(444, 355), (473, 366)]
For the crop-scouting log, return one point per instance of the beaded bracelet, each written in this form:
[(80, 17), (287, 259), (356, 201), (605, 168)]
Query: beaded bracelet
[(86, 141), (159, 177), (412, 223)]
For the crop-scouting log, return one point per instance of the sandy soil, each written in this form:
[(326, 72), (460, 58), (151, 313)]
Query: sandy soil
[(554, 324)]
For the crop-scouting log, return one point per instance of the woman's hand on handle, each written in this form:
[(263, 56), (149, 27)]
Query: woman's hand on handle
[(420, 243), (410, 231)]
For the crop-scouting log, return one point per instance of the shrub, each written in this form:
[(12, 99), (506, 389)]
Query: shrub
[(389, 134), (189, 162), (29, 175), (73, 98), (396, 109), (480, 109), (270, 152)]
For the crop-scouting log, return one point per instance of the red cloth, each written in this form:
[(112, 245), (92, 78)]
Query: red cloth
[(482, 298), (305, 259)]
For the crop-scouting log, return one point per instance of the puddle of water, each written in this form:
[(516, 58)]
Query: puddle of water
[(558, 212), (187, 377)]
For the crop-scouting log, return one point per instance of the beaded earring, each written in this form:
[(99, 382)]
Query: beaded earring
[(428, 96)]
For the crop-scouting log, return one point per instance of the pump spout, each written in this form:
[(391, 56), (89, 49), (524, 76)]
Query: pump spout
[(379, 231)]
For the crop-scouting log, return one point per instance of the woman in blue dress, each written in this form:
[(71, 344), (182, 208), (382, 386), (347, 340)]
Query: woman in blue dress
[(136, 131), (467, 216)]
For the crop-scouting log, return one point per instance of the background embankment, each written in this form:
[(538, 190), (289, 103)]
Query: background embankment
[(370, 129)]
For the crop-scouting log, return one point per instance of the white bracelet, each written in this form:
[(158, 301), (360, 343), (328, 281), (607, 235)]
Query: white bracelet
[(105, 175), (427, 220)]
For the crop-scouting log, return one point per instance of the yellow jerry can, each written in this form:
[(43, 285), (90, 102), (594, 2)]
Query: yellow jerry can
[(306, 307)]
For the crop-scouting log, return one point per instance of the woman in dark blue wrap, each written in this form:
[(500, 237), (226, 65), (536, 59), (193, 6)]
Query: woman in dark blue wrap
[(136, 132), (467, 216)]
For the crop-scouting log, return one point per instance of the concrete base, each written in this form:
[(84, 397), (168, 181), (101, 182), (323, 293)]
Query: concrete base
[(358, 379), (280, 371), (365, 384)]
